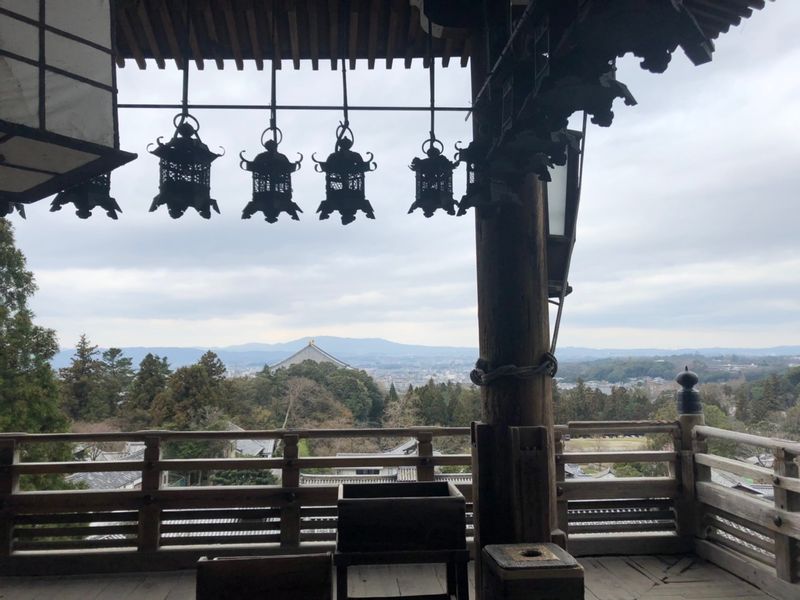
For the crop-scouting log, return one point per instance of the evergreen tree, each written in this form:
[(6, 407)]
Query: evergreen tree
[(150, 380), (117, 375), (81, 385), (28, 386), (392, 395)]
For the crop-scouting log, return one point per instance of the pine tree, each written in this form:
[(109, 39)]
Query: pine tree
[(28, 386), (117, 374), (81, 384)]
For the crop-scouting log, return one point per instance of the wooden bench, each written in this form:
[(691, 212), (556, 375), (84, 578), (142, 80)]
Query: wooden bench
[(306, 576)]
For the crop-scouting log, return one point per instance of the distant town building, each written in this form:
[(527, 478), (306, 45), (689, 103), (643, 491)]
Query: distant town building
[(313, 353)]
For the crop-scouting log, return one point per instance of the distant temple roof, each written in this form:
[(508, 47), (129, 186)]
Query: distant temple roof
[(313, 353)]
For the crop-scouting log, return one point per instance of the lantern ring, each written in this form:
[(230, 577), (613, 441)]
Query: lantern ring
[(342, 130), (180, 119), (278, 135), (432, 142)]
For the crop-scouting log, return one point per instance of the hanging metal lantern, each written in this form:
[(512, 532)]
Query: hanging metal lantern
[(184, 171), (272, 171), (434, 180), (344, 179), (434, 173), (344, 172), (92, 193), (7, 207), (272, 181)]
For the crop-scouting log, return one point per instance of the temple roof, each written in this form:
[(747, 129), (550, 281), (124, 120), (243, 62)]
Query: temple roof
[(317, 30), (313, 353)]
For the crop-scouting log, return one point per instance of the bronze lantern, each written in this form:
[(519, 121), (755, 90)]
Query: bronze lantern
[(272, 181), (344, 179), (434, 176), (88, 195), (184, 171)]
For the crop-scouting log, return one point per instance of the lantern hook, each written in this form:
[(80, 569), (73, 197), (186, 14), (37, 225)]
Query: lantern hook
[(275, 133), (343, 131), (432, 144), (184, 118)]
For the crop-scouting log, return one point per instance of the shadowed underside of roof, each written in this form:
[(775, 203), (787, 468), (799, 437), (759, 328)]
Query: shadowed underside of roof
[(317, 30)]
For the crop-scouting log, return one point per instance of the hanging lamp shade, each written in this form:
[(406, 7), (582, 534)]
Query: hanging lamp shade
[(272, 182), (58, 93), (184, 171), (88, 195), (344, 179), (434, 175)]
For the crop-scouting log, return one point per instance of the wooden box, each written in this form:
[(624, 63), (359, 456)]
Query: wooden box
[(288, 577), (530, 572), (395, 517)]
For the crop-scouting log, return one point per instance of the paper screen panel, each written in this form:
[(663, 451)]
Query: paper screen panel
[(19, 37), (26, 8), (79, 110), (75, 57), (87, 19), (19, 92)]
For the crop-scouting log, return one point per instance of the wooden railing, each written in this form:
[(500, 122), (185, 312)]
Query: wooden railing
[(159, 526), (620, 515), (744, 532)]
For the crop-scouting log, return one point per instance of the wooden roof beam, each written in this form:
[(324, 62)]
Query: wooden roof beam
[(130, 38), (274, 35), (333, 41), (252, 28), (294, 37), (211, 29), (353, 32), (466, 50), (233, 35), (727, 11), (150, 34), (447, 52), (314, 33), (413, 29), (395, 24), (172, 37), (372, 46), (194, 44)]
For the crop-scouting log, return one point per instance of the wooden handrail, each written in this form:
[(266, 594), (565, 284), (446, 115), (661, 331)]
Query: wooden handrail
[(704, 431)]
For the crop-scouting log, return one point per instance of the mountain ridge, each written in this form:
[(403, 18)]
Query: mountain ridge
[(364, 351)]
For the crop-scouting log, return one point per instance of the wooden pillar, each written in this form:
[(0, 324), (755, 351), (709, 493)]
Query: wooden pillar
[(513, 330), (290, 481), (690, 414), (150, 513), (425, 470), (787, 548), (9, 484)]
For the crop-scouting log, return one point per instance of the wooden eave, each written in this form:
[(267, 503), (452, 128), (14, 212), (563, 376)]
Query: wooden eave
[(313, 30), (317, 31)]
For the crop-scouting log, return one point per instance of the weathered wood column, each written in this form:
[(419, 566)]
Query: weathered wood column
[(514, 470)]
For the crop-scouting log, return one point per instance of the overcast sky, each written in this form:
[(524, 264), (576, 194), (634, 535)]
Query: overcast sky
[(687, 237)]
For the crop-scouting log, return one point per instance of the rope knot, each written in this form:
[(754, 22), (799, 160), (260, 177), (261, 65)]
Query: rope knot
[(483, 374)]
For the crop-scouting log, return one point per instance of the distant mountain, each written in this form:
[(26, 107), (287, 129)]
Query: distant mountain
[(365, 352)]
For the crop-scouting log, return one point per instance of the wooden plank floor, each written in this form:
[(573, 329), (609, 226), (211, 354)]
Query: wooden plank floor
[(607, 578)]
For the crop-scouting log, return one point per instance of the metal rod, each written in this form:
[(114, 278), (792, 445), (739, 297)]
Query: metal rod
[(431, 62), (294, 107)]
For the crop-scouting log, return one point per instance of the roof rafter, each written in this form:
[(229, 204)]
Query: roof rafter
[(233, 35), (130, 38), (252, 27), (150, 34)]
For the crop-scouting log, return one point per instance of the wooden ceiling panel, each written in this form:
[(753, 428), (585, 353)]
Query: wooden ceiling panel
[(315, 30)]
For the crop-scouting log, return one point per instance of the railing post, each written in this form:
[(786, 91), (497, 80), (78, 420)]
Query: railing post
[(290, 480), (787, 548), (690, 414), (561, 535), (425, 452), (150, 512), (9, 484)]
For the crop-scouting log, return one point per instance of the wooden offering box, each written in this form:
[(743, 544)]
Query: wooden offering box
[(395, 517)]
